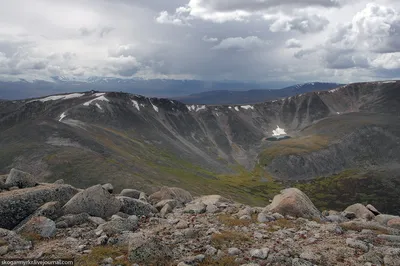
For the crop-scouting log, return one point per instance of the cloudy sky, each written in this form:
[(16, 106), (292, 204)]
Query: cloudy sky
[(257, 40)]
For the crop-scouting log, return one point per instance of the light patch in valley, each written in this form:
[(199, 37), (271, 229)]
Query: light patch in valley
[(278, 131)]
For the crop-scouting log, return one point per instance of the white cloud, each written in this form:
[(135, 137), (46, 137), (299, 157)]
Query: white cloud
[(239, 43), (207, 39), (304, 23), (293, 43)]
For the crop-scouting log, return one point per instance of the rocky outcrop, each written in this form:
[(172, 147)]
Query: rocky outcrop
[(136, 207), (293, 202), (18, 178), (165, 193), (360, 211), (147, 249), (17, 205), (14, 241), (132, 193), (40, 226), (95, 201)]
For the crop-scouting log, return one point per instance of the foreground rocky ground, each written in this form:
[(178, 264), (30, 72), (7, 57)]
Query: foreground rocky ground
[(170, 227)]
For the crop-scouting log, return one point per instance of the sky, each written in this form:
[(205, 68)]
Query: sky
[(248, 40)]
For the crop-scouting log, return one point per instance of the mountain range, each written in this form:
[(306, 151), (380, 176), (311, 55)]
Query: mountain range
[(344, 143), (207, 92)]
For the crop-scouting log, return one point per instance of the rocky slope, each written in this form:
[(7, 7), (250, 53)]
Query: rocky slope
[(87, 138), (171, 227)]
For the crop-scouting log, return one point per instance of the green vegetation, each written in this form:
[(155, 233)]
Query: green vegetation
[(100, 253), (222, 261), (228, 239), (378, 188), (293, 146)]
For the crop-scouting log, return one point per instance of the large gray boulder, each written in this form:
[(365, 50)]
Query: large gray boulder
[(17, 205), (293, 202), (360, 211), (96, 201), (165, 193), (136, 207), (132, 193), (40, 226), (18, 178), (147, 250), (119, 225), (383, 219), (51, 210)]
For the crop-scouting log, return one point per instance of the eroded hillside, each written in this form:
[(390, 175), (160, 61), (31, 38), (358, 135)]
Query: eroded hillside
[(91, 137)]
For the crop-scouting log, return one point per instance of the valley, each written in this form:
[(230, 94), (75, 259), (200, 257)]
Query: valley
[(344, 145)]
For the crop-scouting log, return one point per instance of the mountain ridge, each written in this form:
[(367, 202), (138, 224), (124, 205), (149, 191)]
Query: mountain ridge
[(102, 136)]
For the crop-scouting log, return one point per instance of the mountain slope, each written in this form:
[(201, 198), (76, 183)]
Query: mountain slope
[(216, 97), (134, 141)]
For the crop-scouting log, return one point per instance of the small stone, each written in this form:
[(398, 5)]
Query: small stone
[(3, 250), (211, 208), (102, 240), (258, 235), (108, 260), (108, 187), (81, 247), (358, 244), (391, 238), (373, 209), (96, 220), (259, 253), (195, 208), (211, 251), (182, 225), (234, 251), (88, 251), (394, 223), (245, 217), (301, 262), (277, 216), (165, 210), (194, 259)]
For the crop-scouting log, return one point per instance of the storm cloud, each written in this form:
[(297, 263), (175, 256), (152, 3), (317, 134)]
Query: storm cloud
[(270, 40)]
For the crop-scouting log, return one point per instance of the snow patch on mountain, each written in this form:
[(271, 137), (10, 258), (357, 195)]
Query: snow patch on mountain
[(135, 103), (196, 107), (62, 116), (60, 97), (247, 107), (154, 107), (101, 98), (278, 131), (237, 108)]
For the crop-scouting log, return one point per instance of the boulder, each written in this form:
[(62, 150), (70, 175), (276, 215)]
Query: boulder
[(147, 250), (171, 202), (136, 207), (59, 181), (360, 211), (383, 219), (40, 226), (70, 220), (120, 225), (293, 202), (15, 206), (195, 208), (165, 210), (216, 200), (394, 223), (132, 193), (108, 187), (372, 209), (14, 241), (51, 210), (165, 193), (95, 201), (20, 179)]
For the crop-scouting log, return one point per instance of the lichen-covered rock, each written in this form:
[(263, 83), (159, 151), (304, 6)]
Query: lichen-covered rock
[(120, 225), (394, 223), (20, 179), (15, 206), (40, 225), (51, 210), (360, 211), (131, 193), (293, 202), (136, 207), (108, 187), (372, 209), (383, 219), (70, 220), (95, 201), (165, 193), (147, 249)]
